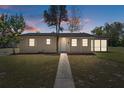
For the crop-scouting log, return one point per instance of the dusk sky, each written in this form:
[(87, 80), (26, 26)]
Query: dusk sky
[(91, 16)]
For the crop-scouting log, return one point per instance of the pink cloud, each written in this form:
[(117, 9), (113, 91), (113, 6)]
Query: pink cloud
[(0, 15), (34, 22), (32, 26), (29, 28), (5, 6)]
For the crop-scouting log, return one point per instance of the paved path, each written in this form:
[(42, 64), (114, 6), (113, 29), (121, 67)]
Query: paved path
[(64, 76)]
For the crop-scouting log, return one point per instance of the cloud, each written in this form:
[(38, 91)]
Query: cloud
[(33, 22), (0, 15), (29, 28), (5, 6), (16, 8), (64, 23), (87, 20)]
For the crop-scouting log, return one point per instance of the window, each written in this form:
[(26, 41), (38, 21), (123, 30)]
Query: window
[(84, 42), (74, 42), (48, 41), (91, 45), (103, 45), (32, 42), (97, 45)]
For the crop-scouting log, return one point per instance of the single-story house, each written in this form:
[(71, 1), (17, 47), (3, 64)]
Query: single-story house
[(68, 42)]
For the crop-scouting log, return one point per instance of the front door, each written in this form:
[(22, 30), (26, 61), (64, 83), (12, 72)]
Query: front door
[(63, 44)]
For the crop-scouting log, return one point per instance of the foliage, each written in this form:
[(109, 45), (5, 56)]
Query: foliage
[(113, 31), (122, 41), (98, 31), (74, 20), (54, 16), (10, 29)]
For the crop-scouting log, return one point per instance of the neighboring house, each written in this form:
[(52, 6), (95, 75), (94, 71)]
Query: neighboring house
[(68, 42)]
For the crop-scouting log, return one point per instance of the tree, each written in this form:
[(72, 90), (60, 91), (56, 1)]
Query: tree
[(11, 27), (17, 25), (122, 41), (98, 31), (74, 20), (4, 29), (54, 16), (113, 31)]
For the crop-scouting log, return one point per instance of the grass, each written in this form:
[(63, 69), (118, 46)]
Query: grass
[(114, 54), (100, 70), (28, 70)]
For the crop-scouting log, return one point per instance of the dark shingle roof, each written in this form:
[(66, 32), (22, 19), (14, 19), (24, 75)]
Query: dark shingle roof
[(61, 34)]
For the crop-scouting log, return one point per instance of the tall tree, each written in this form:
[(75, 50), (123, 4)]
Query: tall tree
[(54, 16)]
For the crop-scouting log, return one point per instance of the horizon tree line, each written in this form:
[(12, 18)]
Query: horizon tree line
[(113, 31)]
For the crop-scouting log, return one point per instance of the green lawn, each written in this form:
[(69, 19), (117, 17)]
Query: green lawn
[(28, 70), (114, 54), (100, 70)]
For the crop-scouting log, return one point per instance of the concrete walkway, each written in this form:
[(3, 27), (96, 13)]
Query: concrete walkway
[(64, 76)]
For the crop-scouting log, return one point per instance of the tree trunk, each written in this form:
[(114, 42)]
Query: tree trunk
[(13, 48), (57, 38), (57, 44), (13, 51), (57, 32)]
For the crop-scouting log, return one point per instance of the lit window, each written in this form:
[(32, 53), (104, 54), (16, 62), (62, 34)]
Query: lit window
[(103, 45), (48, 41), (84, 42), (97, 45), (31, 42), (74, 42), (91, 45)]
